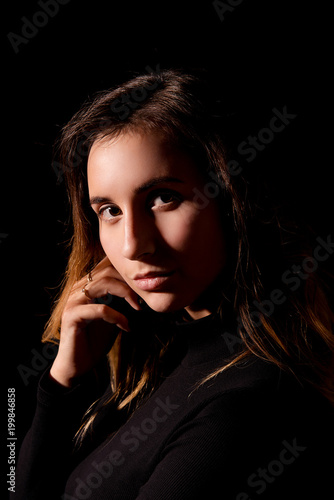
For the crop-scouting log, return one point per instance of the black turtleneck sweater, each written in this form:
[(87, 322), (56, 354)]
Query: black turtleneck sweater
[(252, 432)]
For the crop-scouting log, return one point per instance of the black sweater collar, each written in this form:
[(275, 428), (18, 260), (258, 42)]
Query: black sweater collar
[(205, 339)]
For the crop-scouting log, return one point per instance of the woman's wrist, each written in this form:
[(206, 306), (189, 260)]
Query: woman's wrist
[(60, 376)]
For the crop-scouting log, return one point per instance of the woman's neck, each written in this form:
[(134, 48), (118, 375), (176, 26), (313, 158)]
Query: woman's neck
[(207, 303), (197, 313)]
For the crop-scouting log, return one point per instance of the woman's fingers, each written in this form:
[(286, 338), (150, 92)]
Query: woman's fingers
[(101, 288), (91, 312), (88, 328), (87, 313), (106, 279)]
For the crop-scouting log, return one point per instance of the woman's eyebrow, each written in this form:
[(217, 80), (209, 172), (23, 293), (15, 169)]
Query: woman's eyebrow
[(96, 200), (155, 181)]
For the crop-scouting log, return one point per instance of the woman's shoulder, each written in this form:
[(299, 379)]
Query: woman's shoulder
[(262, 392)]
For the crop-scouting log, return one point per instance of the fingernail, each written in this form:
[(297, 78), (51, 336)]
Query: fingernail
[(141, 302), (137, 305), (124, 326)]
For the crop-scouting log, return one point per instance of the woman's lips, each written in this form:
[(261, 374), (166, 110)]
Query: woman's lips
[(152, 281)]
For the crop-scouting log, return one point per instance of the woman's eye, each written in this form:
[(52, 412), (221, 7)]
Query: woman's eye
[(157, 200), (164, 199), (108, 213)]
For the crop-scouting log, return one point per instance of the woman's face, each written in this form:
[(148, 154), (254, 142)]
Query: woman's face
[(166, 246)]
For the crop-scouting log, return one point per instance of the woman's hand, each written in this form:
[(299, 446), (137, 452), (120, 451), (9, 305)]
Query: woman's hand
[(88, 330)]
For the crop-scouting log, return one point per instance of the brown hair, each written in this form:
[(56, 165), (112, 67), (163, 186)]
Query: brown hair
[(296, 335)]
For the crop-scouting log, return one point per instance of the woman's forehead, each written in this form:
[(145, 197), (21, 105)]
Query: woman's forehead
[(137, 156)]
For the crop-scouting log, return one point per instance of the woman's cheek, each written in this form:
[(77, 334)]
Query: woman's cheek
[(180, 229), (201, 241)]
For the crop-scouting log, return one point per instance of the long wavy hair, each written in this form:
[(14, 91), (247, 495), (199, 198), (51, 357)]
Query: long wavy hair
[(290, 326)]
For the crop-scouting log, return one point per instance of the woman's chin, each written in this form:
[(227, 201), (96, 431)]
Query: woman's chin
[(164, 303)]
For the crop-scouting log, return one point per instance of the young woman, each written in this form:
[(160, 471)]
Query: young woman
[(215, 324)]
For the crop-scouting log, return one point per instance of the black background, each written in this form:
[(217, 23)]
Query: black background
[(263, 55)]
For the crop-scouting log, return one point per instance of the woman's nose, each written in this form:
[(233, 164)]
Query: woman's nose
[(139, 237)]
